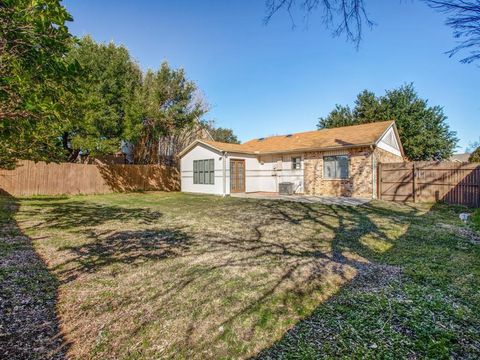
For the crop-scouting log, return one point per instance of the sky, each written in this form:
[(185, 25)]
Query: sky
[(262, 80)]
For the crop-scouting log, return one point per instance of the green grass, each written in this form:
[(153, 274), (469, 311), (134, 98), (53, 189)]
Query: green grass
[(189, 276), (475, 220)]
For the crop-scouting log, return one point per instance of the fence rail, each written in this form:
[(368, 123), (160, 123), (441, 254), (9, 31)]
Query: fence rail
[(31, 178), (454, 183)]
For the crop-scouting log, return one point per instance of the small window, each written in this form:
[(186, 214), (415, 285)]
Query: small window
[(335, 167), (296, 163), (204, 171)]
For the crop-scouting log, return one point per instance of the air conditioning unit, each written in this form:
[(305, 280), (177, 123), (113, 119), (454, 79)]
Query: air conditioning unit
[(285, 188)]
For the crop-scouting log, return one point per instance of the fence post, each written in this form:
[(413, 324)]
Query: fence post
[(414, 183)]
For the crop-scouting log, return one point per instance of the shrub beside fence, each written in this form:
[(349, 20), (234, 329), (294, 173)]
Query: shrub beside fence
[(454, 183), (31, 178)]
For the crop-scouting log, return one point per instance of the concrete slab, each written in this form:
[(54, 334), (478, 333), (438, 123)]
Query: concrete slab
[(310, 199)]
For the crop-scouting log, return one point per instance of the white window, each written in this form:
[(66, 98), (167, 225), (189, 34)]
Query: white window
[(204, 171), (296, 163), (335, 167)]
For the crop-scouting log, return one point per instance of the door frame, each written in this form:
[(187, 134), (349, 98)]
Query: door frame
[(232, 168)]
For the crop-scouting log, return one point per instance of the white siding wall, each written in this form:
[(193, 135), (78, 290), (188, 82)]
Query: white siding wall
[(262, 173), (201, 152), (266, 172)]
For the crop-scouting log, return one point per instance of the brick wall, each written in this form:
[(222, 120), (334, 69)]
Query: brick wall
[(362, 175), (383, 156), (360, 179)]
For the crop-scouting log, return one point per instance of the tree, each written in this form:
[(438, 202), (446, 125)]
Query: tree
[(349, 17), (33, 77), (422, 128), (221, 134), (340, 116), (99, 113), (224, 135), (464, 19), (343, 16), (475, 156), (167, 105), (474, 150)]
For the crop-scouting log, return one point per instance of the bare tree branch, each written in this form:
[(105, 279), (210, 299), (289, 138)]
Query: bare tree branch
[(464, 19), (343, 16), (348, 17)]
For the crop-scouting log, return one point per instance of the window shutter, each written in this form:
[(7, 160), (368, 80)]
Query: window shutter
[(212, 171), (207, 172), (200, 172), (195, 171)]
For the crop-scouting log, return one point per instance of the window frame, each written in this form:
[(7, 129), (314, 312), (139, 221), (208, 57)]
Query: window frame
[(337, 167), (204, 172), (295, 163)]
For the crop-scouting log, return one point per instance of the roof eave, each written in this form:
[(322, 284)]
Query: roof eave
[(195, 143), (394, 125)]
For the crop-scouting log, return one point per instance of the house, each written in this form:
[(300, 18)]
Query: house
[(331, 162), (460, 158)]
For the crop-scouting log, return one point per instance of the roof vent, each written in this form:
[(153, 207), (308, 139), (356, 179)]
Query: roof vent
[(289, 135), (261, 139)]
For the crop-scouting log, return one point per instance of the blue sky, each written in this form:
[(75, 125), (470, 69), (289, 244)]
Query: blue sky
[(263, 80)]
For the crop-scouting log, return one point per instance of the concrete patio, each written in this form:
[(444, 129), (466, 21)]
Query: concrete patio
[(310, 199)]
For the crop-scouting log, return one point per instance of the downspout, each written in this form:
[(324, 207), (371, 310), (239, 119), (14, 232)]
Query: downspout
[(374, 173), (224, 173)]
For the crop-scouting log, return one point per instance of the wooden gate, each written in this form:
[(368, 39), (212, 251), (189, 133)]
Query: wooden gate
[(237, 176), (454, 183)]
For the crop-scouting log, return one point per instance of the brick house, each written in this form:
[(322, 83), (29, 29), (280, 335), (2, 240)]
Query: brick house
[(331, 162)]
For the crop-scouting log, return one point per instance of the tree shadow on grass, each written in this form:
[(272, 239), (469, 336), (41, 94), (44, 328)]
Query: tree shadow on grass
[(286, 243), (122, 247), (301, 264), (29, 327), (374, 325), (68, 215)]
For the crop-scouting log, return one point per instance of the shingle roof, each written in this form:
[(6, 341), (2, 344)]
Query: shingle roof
[(460, 157), (347, 136), (226, 146)]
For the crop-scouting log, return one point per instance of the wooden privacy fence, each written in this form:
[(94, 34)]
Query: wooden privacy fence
[(454, 183), (40, 178)]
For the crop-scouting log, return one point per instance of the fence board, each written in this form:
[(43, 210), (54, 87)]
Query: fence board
[(40, 178), (454, 183)]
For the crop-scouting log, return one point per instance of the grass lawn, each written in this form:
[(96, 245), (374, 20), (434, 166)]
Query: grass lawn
[(183, 276)]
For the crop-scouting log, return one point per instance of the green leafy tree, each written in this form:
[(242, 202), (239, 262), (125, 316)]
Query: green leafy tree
[(475, 156), (224, 135), (33, 77), (423, 129), (221, 134), (166, 105), (100, 114), (340, 116)]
